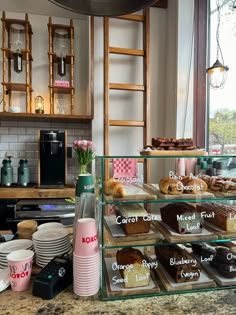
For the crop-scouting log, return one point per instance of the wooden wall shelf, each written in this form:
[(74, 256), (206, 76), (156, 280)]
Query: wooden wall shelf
[(30, 193), (27, 116)]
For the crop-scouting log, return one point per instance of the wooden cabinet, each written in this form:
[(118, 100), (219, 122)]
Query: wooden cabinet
[(61, 67), (16, 50)]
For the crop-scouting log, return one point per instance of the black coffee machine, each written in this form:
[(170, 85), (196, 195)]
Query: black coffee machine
[(52, 158)]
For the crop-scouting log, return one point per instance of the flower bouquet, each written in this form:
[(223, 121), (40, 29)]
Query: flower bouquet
[(85, 153)]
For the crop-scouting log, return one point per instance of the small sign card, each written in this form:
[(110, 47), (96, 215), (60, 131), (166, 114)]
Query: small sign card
[(62, 83)]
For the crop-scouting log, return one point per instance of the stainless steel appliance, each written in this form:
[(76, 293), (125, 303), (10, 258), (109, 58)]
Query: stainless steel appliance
[(52, 158), (42, 211)]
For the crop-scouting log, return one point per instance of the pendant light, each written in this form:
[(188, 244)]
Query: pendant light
[(217, 73), (104, 7)]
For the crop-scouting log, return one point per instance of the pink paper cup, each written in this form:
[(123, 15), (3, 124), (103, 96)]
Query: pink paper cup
[(19, 268), (86, 238)]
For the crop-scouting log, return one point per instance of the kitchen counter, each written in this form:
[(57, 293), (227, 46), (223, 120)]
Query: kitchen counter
[(35, 192), (67, 303)]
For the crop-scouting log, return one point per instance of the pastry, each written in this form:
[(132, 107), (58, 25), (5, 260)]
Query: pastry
[(114, 188), (182, 217), (133, 268), (131, 218), (219, 183), (180, 265), (193, 185), (170, 186), (162, 142), (184, 142), (220, 215)]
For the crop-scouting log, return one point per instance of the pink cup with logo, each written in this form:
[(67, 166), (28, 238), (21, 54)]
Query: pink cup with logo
[(20, 268), (86, 238)]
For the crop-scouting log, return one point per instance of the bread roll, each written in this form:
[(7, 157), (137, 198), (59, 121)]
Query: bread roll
[(193, 185), (170, 186), (114, 188)]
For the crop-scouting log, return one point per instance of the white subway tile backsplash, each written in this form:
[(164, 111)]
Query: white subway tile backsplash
[(32, 131), (3, 146), (9, 138), (31, 146), (29, 155), (7, 123), (4, 130), (17, 131), (17, 146), (25, 138)]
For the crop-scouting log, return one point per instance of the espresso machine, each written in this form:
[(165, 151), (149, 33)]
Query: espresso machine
[(52, 158)]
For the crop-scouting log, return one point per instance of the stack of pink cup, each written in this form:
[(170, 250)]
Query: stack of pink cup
[(86, 259)]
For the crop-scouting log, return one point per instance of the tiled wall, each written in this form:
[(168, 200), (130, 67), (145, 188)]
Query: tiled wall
[(20, 138)]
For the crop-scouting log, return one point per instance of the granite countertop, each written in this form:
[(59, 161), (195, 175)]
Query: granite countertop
[(67, 303)]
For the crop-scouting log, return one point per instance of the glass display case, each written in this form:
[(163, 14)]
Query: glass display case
[(175, 233)]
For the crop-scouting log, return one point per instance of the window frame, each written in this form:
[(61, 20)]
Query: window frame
[(200, 53)]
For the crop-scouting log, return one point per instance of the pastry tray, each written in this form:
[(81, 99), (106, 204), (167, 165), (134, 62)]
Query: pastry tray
[(220, 194), (174, 153), (134, 192), (173, 237), (221, 234), (119, 236), (119, 289), (170, 285), (219, 279), (154, 189)]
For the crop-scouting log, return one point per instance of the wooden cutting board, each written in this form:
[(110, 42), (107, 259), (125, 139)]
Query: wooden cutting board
[(133, 192), (174, 153), (171, 286), (120, 238), (173, 237), (154, 189)]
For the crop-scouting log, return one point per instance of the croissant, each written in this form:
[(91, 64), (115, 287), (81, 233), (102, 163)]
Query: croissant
[(114, 188)]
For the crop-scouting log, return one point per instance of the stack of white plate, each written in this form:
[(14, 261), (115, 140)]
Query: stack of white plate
[(50, 225), (10, 246), (49, 243)]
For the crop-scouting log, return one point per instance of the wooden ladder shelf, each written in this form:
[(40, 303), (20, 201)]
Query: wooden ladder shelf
[(145, 87)]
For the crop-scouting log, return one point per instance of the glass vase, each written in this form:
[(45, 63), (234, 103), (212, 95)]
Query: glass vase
[(83, 169)]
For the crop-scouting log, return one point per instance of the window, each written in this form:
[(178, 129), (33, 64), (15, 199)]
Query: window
[(221, 137)]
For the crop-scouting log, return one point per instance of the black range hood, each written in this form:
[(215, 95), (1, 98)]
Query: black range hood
[(104, 7)]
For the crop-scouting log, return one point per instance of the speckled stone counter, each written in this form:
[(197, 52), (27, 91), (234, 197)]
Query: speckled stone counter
[(67, 303)]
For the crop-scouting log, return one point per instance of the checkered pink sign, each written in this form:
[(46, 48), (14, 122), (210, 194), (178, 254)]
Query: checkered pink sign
[(124, 167)]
